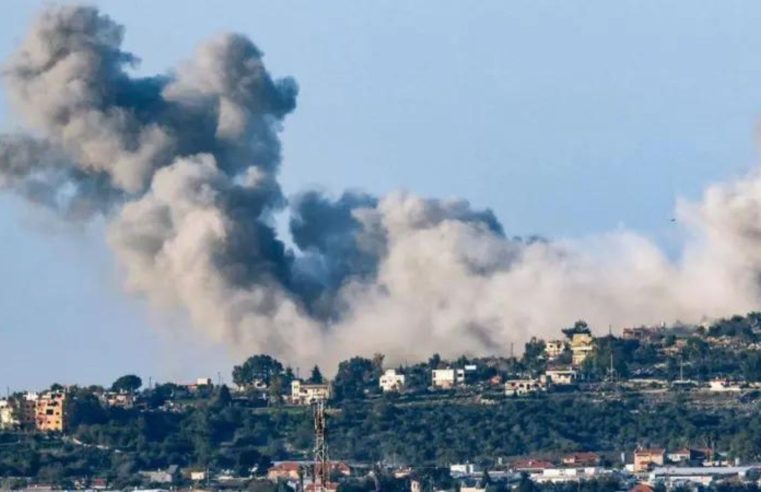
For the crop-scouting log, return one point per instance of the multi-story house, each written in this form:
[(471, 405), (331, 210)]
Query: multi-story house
[(306, 394), (582, 346), (50, 414), (447, 378), (644, 459)]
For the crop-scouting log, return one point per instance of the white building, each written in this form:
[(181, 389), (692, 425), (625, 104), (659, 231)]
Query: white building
[(561, 376), (160, 476), (559, 475), (723, 385), (447, 378), (306, 394), (9, 418), (520, 387), (391, 381), (464, 469), (701, 475)]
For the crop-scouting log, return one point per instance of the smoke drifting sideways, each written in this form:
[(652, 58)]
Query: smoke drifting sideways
[(183, 167)]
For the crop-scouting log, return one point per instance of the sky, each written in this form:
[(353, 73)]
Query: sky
[(566, 118)]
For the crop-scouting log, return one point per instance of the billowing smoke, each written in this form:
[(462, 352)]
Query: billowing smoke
[(184, 169)]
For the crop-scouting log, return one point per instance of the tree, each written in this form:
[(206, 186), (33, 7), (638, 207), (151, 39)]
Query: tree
[(526, 484), (533, 355), (129, 384), (252, 461), (258, 368), (355, 377), (316, 377), (85, 409), (578, 328), (222, 397), (485, 478)]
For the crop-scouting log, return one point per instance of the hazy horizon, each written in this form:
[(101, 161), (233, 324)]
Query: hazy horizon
[(566, 122)]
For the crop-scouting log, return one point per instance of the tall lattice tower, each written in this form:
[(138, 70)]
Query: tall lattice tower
[(321, 465)]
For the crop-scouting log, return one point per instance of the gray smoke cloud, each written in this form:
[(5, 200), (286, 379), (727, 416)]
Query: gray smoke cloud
[(184, 166)]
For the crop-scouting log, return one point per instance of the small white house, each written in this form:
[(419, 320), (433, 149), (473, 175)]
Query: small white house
[(520, 387), (560, 475), (464, 469), (561, 376), (724, 385), (704, 475), (391, 381), (447, 378), (9, 418)]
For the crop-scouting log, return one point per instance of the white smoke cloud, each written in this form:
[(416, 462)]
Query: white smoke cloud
[(184, 168)]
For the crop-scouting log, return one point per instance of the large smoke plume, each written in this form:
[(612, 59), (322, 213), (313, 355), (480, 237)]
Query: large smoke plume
[(184, 169)]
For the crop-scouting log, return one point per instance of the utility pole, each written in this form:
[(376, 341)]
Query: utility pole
[(612, 370), (321, 463)]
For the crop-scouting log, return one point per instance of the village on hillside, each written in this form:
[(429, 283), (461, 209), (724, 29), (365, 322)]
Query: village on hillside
[(714, 368)]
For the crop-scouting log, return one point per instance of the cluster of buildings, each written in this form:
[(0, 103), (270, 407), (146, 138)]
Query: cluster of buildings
[(565, 361), (640, 471), (44, 412), (49, 411)]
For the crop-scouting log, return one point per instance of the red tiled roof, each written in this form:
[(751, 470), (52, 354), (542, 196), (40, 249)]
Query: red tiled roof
[(641, 487), (531, 464), (582, 456), (286, 466)]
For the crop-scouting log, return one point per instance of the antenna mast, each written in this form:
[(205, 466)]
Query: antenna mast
[(321, 464)]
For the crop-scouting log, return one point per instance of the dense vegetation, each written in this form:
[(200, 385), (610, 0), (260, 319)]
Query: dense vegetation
[(225, 434)]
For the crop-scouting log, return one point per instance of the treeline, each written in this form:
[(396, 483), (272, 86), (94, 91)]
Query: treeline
[(728, 348)]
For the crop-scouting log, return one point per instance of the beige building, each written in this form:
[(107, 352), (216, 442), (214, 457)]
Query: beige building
[(306, 394), (447, 378), (19, 412), (582, 345), (9, 415), (644, 459), (554, 348), (391, 381), (50, 414), (27, 410)]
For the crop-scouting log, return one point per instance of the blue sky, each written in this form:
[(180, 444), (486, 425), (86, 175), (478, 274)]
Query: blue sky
[(566, 118)]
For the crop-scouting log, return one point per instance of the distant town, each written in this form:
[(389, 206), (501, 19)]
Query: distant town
[(652, 408)]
